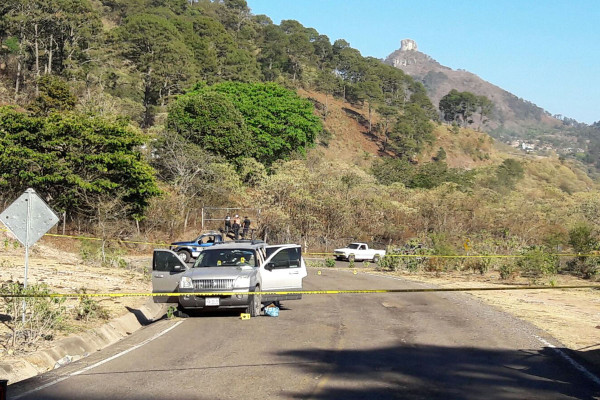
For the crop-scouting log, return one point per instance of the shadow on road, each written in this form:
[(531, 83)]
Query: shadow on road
[(395, 372), (426, 372)]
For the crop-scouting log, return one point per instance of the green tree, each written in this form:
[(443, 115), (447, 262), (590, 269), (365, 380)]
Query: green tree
[(412, 131), (210, 120), (462, 106), (74, 160), (53, 35), (280, 122), (54, 95), (154, 45), (509, 173)]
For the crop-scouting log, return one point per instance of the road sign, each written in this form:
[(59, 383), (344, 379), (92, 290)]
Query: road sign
[(29, 218)]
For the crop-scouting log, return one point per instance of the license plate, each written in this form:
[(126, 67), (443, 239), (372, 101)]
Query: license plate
[(212, 301)]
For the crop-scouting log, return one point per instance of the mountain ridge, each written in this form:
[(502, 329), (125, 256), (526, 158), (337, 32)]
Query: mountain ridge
[(511, 112)]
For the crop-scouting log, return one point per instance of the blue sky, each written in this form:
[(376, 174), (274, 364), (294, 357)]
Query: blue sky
[(547, 52)]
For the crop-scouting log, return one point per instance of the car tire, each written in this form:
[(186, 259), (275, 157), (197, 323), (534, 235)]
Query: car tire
[(181, 313), (376, 258), (255, 304), (351, 258), (185, 256)]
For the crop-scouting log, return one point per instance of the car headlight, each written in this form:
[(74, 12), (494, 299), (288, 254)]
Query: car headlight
[(186, 283), (241, 282)]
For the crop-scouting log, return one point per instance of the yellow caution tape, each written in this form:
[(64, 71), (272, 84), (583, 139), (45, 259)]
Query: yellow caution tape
[(108, 240), (593, 254), (354, 291), (470, 256), (99, 239)]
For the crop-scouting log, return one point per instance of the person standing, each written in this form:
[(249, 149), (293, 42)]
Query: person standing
[(227, 225), (236, 226), (246, 226)]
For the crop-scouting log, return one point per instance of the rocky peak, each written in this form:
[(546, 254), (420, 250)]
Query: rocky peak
[(409, 55), (408, 45)]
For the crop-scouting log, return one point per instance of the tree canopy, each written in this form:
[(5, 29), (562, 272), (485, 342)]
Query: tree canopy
[(462, 106), (234, 119), (74, 160)]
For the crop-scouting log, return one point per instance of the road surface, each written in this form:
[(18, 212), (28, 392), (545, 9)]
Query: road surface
[(375, 346)]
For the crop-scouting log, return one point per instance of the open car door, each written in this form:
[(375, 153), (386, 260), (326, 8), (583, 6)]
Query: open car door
[(167, 269), (283, 269)]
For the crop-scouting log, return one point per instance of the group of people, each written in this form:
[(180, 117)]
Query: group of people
[(234, 225)]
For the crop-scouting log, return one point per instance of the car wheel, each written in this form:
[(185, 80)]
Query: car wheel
[(376, 258), (185, 255), (351, 258), (181, 312), (255, 304)]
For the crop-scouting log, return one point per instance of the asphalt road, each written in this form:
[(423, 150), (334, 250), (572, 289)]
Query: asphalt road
[(376, 346)]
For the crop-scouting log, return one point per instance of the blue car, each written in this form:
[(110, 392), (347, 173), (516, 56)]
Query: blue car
[(189, 251)]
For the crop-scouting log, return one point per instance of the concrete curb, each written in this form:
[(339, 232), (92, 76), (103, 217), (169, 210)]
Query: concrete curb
[(78, 346)]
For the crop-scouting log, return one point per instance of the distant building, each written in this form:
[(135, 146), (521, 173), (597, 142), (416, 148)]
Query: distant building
[(528, 147)]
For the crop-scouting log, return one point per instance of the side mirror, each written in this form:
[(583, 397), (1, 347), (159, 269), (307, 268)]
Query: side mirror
[(270, 266)]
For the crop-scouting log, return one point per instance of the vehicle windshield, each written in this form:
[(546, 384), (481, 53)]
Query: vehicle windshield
[(226, 258), (353, 246)]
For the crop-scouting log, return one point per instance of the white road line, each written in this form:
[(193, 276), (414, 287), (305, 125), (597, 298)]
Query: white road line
[(99, 363), (570, 360)]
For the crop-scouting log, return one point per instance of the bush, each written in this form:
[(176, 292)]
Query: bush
[(389, 262), (43, 315), (330, 262), (479, 264), (537, 263), (92, 251), (585, 267), (315, 263), (88, 308), (507, 271), (582, 239)]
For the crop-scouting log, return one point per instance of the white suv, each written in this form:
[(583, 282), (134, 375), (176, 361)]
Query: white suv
[(239, 269)]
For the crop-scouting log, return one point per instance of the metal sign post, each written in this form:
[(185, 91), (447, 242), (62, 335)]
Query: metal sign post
[(28, 218)]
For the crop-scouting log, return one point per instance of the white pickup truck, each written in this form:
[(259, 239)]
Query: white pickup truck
[(358, 252)]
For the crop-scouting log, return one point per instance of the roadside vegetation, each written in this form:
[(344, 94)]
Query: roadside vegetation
[(128, 117)]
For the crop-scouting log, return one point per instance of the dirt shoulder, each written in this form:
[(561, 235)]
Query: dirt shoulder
[(66, 272)]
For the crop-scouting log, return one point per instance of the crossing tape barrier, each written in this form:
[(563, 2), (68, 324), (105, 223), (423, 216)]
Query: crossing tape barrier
[(469, 256), (307, 292), (594, 254)]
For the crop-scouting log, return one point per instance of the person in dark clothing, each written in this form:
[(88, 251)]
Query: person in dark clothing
[(236, 227), (227, 224), (246, 225)]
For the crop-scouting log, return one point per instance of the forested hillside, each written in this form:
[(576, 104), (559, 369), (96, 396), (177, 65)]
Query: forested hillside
[(507, 117), (128, 116)]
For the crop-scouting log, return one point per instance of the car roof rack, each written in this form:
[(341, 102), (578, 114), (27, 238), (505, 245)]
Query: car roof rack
[(240, 241), (251, 241)]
